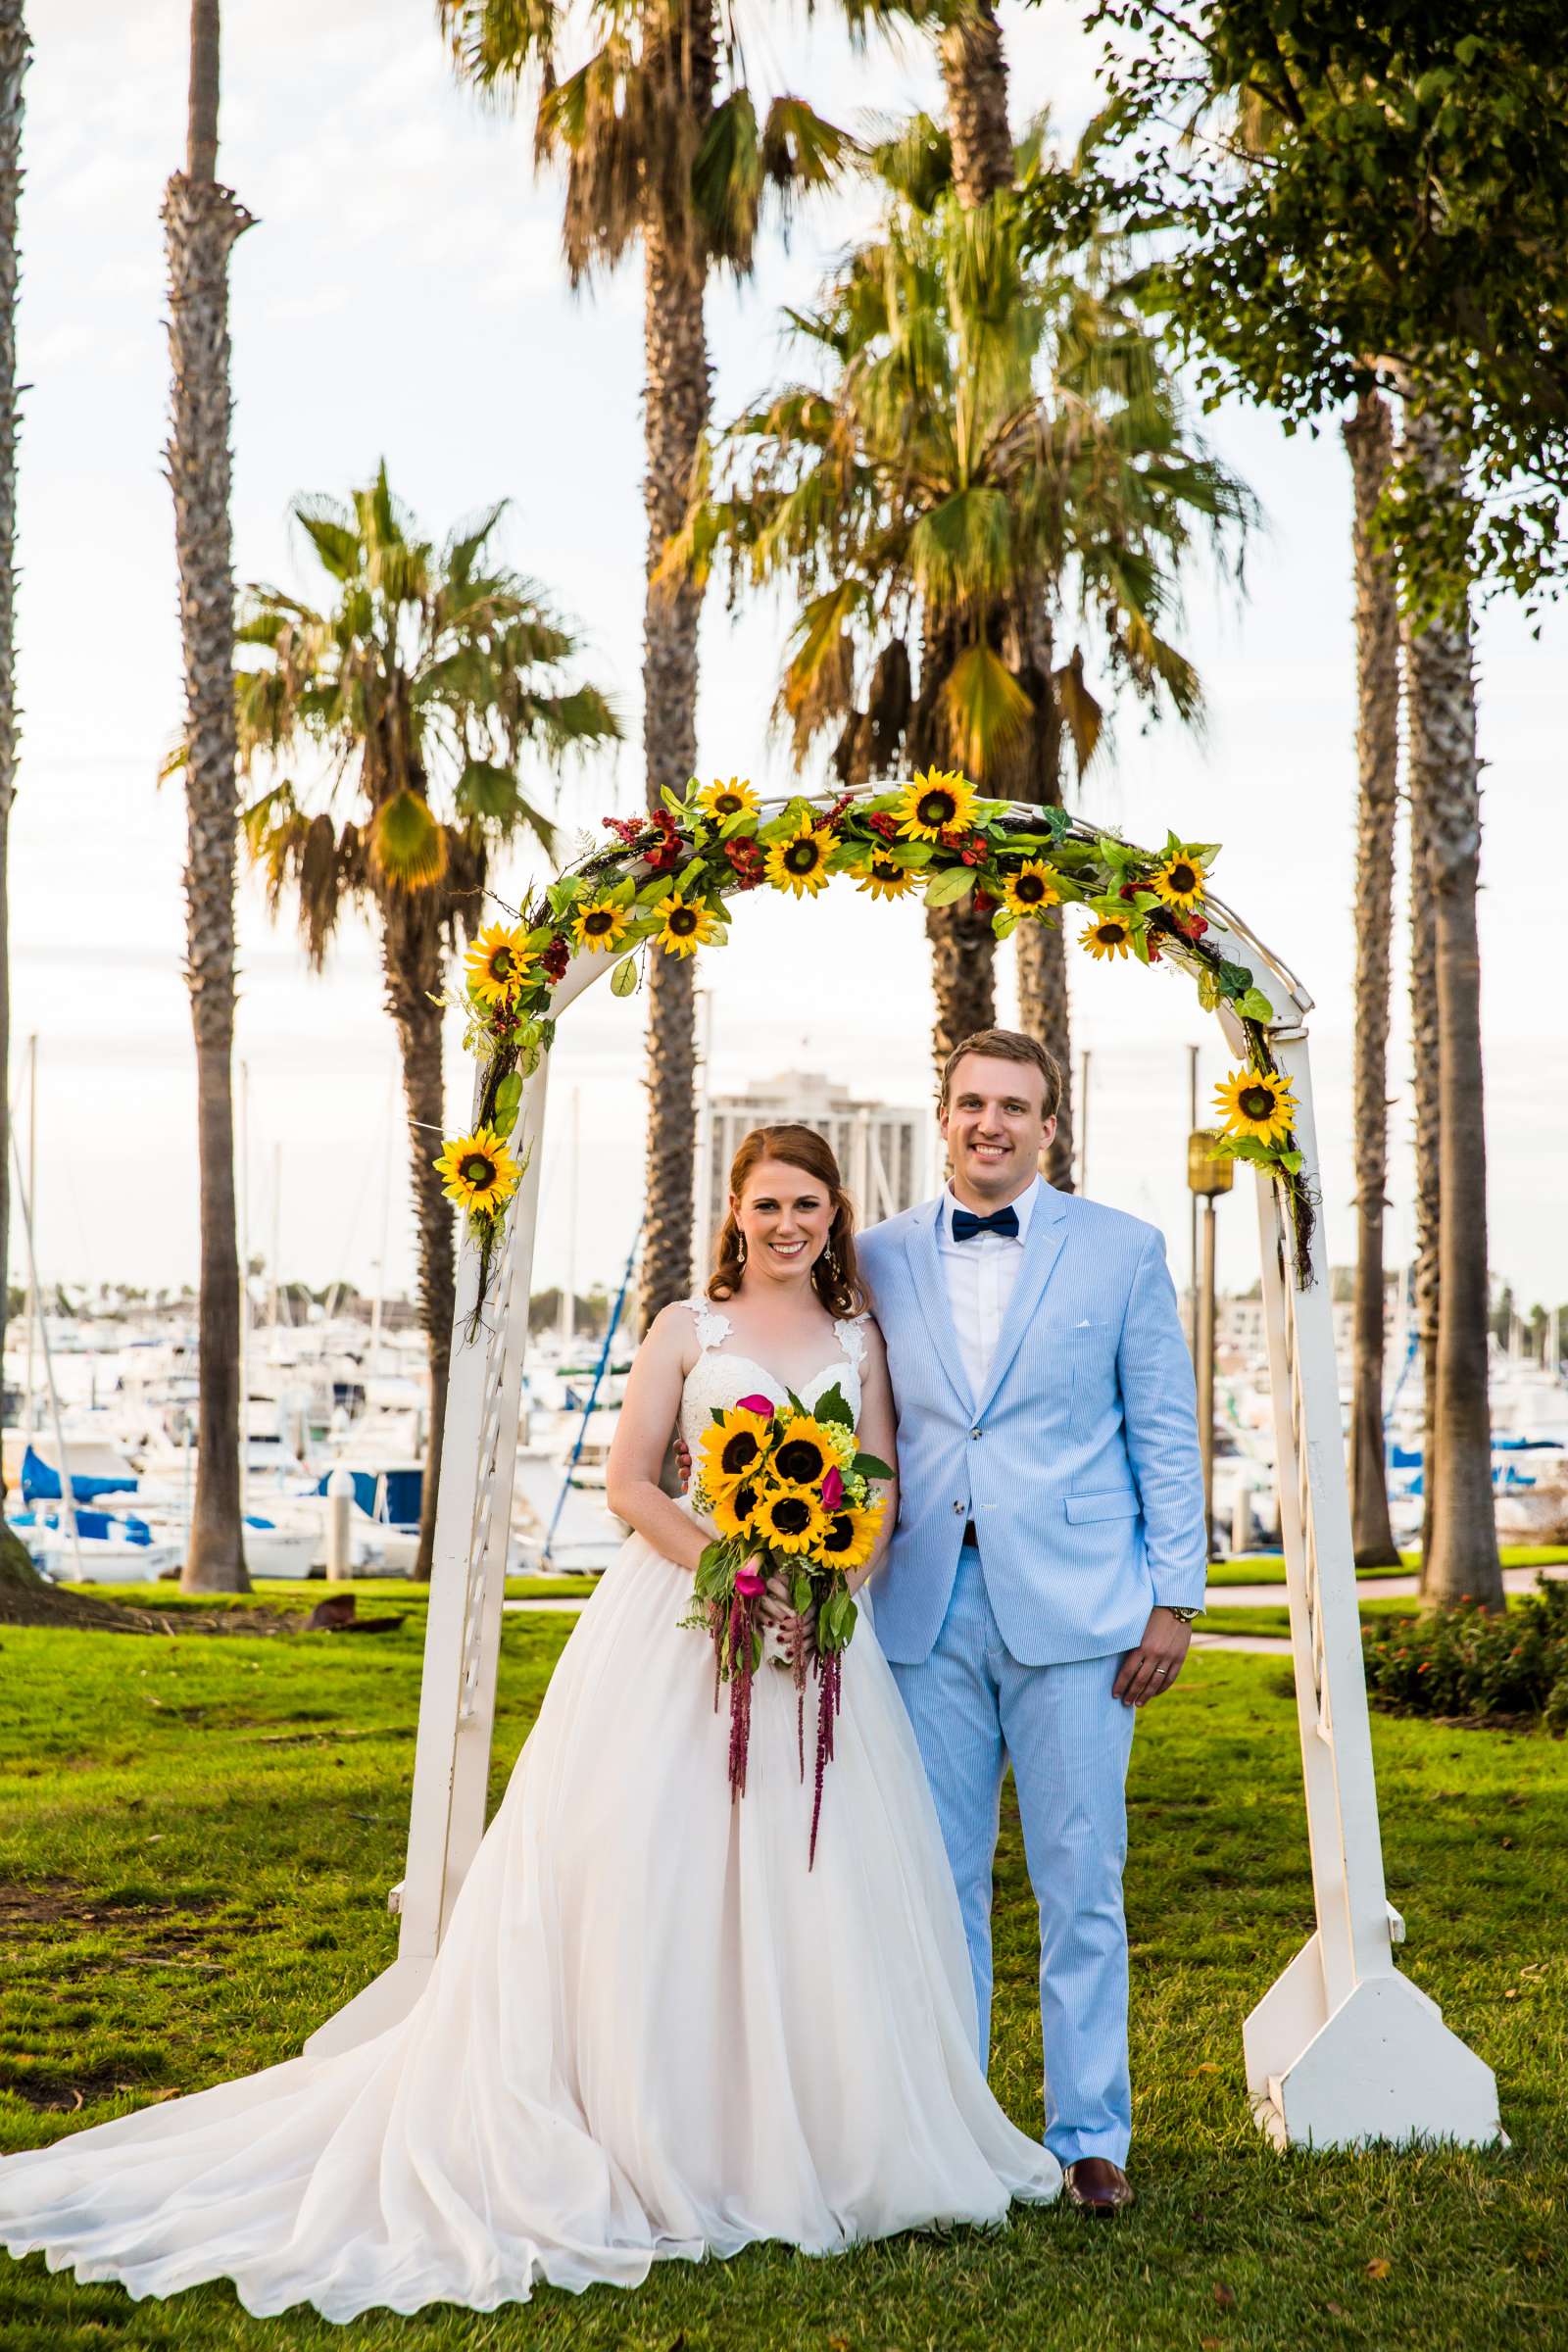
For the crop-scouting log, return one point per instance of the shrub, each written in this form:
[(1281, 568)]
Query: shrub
[(1468, 1662)]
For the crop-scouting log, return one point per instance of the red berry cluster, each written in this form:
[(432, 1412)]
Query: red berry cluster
[(625, 828), (746, 859), (556, 957), (845, 801)]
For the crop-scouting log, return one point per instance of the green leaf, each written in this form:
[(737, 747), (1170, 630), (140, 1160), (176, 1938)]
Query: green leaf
[(509, 1098), (946, 889), (870, 1465), (623, 979), (800, 1594), (1253, 1006), (833, 1409), (1234, 979)]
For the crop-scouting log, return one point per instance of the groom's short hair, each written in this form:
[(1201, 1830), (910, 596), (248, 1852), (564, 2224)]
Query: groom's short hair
[(1008, 1044)]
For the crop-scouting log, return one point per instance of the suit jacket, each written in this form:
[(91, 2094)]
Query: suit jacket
[(1079, 1462)]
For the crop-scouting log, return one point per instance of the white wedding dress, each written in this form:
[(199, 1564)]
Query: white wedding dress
[(650, 2030)]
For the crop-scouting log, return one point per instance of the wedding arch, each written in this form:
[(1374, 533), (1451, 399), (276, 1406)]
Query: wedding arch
[(1343, 2050)]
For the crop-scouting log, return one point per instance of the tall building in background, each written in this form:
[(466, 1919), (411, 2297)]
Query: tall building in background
[(887, 1155)]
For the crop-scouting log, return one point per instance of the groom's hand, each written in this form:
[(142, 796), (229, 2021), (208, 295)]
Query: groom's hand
[(1152, 1667)]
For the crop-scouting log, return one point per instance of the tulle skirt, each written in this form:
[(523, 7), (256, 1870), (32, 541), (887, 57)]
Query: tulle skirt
[(650, 2030)]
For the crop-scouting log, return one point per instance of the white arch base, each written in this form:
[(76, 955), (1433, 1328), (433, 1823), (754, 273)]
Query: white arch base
[(1341, 2050), (1383, 2066)]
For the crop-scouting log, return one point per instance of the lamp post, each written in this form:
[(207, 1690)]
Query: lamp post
[(1207, 1176)]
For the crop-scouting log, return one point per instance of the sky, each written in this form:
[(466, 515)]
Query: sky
[(402, 296)]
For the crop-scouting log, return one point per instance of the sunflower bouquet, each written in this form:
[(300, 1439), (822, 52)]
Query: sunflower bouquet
[(790, 1493)]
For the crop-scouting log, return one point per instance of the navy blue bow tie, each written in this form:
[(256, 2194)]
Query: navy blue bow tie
[(965, 1225)]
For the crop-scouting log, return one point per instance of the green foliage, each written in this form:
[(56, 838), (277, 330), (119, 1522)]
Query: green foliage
[(1472, 1662), (1338, 193), (426, 682), (195, 1862), (995, 445)]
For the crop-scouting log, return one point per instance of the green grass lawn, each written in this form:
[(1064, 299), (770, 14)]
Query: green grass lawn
[(1268, 1567), (294, 1595), (1263, 1618), (196, 1836)]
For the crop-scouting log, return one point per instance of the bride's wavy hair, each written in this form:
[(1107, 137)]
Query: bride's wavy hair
[(835, 1277)]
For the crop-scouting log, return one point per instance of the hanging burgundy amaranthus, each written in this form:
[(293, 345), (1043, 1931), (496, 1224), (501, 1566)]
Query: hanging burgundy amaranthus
[(789, 1493)]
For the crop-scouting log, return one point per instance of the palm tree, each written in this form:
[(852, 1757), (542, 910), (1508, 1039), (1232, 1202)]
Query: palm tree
[(16, 50), (983, 163), (974, 80), (423, 682), (992, 446), (1462, 1559), (1369, 440), (202, 220), (661, 142), (1428, 1124)]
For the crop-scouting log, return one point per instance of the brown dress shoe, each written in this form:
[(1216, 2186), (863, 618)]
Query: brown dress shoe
[(1097, 2186)]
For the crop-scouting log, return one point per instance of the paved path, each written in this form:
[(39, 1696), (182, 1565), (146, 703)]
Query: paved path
[(1368, 1587)]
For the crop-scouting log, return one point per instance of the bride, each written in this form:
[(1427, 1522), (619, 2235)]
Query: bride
[(651, 2031)]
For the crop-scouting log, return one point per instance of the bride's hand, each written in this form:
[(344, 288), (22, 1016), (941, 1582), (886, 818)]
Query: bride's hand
[(779, 1613)]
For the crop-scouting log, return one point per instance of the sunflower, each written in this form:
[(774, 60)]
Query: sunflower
[(687, 924), (478, 1172), (1179, 882), (1256, 1102), (884, 878), (1032, 889), (799, 863), (1109, 937), (937, 801), (851, 1535), (724, 801), (499, 965), (732, 1451), (601, 925), (733, 1514), (789, 1522), (804, 1454)]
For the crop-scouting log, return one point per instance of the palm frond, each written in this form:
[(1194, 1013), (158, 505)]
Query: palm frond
[(408, 847), (986, 710)]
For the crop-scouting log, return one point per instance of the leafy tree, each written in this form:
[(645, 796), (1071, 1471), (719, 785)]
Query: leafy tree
[(1382, 198), (1353, 193), (427, 680)]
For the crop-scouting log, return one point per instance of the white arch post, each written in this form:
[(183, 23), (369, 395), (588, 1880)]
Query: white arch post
[(1341, 2050)]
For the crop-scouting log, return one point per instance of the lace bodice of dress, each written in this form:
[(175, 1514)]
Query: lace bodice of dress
[(722, 1376)]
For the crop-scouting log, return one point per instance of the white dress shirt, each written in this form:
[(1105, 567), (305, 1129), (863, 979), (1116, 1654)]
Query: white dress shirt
[(980, 1274)]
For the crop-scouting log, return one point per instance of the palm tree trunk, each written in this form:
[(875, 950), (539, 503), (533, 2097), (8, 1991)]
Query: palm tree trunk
[(410, 965), (675, 412), (201, 222), (1369, 440), (15, 53), (1444, 778), (974, 75), (1044, 1013), (1427, 1132)]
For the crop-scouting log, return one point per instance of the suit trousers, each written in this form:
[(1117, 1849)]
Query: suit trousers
[(975, 1709)]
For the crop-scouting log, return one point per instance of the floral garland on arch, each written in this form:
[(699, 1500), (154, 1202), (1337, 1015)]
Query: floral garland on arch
[(661, 883)]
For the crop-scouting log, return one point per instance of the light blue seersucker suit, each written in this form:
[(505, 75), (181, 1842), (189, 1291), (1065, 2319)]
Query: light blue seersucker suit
[(1078, 1467)]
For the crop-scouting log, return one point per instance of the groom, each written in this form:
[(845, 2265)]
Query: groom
[(1049, 1553)]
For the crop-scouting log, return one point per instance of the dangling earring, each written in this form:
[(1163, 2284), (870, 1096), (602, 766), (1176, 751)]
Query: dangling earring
[(740, 1249)]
